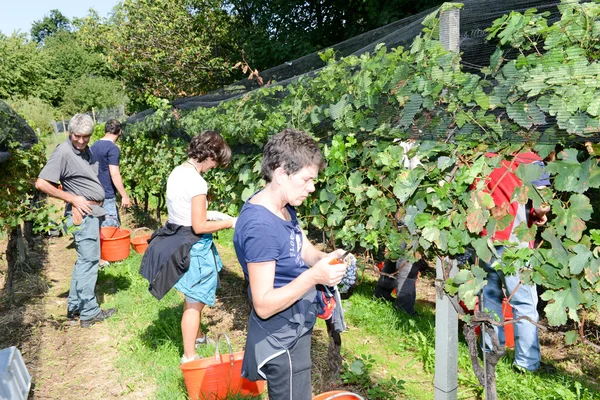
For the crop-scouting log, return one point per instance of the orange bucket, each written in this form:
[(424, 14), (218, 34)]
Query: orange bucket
[(114, 243), (509, 329), (337, 395), (218, 377), (140, 243)]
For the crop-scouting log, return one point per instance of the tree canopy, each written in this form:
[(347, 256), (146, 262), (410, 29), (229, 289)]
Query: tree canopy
[(49, 25), (274, 31), (171, 48)]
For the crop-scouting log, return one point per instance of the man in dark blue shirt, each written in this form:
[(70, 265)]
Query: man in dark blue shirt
[(109, 174)]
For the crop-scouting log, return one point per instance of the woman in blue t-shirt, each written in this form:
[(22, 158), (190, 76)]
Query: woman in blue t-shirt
[(282, 267)]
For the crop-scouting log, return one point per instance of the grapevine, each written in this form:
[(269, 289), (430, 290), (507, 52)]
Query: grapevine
[(356, 106)]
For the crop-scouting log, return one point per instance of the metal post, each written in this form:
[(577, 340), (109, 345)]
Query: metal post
[(446, 317), (450, 29), (446, 339)]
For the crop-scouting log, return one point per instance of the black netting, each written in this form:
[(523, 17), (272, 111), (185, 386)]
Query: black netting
[(475, 17), (13, 128)]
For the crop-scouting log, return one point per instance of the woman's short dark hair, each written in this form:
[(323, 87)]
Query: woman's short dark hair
[(292, 150), (210, 144)]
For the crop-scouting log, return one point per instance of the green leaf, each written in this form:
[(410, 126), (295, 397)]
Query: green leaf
[(524, 233), (529, 172), (482, 248), (431, 233), (444, 162), (476, 220), (571, 337), (570, 221), (557, 251), (407, 183), (526, 114), (482, 99), (594, 107), (563, 303), (581, 260), (337, 110)]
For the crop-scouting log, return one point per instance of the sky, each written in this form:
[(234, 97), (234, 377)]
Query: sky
[(20, 14)]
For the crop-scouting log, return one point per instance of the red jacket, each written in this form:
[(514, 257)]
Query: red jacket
[(502, 183)]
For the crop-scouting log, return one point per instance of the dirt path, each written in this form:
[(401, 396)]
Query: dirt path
[(72, 362), (65, 361), (68, 362)]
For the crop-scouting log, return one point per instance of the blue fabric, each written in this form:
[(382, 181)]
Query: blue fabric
[(544, 180), (524, 303), (107, 153), (200, 280), (85, 272), (261, 236), (112, 213)]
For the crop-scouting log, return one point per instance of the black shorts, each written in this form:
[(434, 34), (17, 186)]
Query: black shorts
[(289, 374)]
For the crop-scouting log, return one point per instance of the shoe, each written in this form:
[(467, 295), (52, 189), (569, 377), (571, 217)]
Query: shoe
[(101, 316), (73, 314), (544, 368), (184, 359), (103, 263), (204, 341)]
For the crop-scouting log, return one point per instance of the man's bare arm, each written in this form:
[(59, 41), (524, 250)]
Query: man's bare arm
[(51, 189), (115, 175)]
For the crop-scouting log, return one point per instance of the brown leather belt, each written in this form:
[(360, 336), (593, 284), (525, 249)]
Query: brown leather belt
[(94, 202)]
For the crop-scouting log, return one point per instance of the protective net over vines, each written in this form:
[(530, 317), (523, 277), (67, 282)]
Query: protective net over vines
[(13, 128), (475, 17)]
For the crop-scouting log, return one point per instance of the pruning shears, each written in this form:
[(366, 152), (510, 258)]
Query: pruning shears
[(339, 260)]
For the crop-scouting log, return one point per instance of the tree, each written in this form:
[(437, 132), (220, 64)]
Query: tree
[(88, 91), (37, 112), (170, 48), (69, 59), (23, 70), (49, 26), (274, 31)]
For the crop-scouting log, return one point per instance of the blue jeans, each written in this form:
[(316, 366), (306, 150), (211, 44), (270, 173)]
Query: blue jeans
[(85, 272), (524, 303), (112, 213)]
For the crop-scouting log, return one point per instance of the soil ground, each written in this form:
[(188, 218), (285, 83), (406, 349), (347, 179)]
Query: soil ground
[(68, 362)]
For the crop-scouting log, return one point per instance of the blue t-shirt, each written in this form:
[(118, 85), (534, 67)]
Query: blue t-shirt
[(261, 236), (107, 154)]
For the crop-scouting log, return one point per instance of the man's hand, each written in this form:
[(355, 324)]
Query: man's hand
[(125, 202), (539, 214), (81, 204)]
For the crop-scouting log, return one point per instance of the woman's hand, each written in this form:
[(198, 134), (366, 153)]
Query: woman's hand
[(337, 253), (326, 273)]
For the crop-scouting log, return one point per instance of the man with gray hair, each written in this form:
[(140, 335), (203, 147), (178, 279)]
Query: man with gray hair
[(73, 165)]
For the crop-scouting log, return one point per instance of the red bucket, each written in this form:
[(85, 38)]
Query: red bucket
[(218, 377), (140, 242), (114, 243)]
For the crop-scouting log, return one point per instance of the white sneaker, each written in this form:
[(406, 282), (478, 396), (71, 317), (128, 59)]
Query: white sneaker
[(184, 359), (204, 341)]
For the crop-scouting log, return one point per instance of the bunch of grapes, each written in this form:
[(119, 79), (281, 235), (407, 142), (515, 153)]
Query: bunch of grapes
[(349, 278)]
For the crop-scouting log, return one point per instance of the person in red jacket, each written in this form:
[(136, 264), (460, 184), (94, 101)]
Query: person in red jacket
[(501, 184)]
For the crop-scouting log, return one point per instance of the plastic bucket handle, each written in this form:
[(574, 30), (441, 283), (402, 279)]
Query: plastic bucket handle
[(139, 229), (217, 352), (114, 232), (335, 396)]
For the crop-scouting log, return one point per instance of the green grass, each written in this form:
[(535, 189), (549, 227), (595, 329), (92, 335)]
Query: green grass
[(149, 343)]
